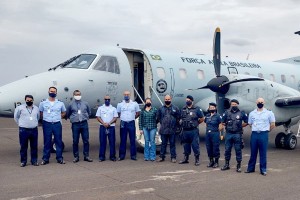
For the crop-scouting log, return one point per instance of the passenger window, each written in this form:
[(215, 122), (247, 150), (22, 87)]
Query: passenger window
[(293, 78), (283, 79), (161, 72), (272, 77), (260, 75), (182, 73), (200, 74), (108, 64)]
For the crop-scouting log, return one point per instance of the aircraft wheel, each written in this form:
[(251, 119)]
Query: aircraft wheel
[(290, 141), (280, 140), (53, 150)]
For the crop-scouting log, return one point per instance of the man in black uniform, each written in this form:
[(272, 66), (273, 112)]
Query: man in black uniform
[(191, 117), (234, 120)]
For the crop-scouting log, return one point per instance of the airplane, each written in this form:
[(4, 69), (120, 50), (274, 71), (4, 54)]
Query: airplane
[(148, 73)]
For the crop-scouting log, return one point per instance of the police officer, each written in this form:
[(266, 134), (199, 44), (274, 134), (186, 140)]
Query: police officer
[(128, 111), (168, 116), (79, 111), (261, 121), (213, 127), (234, 120), (52, 110), (107, 116), (191, 117), (27, 116)]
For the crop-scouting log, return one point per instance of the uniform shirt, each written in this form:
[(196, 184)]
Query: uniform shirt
[(128, 110), (107, 113), (27, 117), (260, 121), (148, 119), (212, 122), (52, 113), (78, 111)]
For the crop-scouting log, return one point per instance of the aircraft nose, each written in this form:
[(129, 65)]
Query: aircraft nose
[(6, 104)]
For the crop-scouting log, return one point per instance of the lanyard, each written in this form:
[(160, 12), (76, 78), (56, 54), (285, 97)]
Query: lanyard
[(29, 110)]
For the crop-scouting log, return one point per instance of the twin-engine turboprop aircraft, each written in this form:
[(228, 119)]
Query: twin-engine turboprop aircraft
[(154, 74)]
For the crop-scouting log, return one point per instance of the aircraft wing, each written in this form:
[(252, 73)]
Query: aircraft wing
[(293, 60)]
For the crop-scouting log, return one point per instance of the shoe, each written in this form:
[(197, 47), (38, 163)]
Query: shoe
[(226, 166), (88, 159), (23, 164), (134, 158), (76, 159), (248, 172), (152, 160), (161, 160), (146, 159), (211, 162), (173, 160), (35, 164), (44, 162), (120, 159), (264, 173), (197, 160), (238, 167), (113, 159), (62, 162), (216, 165), (185, 160)]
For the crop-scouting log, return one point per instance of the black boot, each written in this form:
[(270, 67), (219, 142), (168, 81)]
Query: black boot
[(216, 165), (226, 166), (197, 160), (185, 160), (238, 166), (211, 162)]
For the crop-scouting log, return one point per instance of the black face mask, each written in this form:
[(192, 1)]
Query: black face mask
[(188, 103), (260, 105), (167, 102), (212, 111), (29, 103), (234, 108), (148, 104)]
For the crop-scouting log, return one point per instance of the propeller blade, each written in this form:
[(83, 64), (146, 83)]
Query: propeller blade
[(217, 51), (204, 87), (242, 80), (220, 98)]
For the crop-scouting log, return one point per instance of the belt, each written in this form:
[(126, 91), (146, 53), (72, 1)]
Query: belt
[(84, 121), (128, 121), (259, 131), (29, 128), (51, 122), (212, 131)]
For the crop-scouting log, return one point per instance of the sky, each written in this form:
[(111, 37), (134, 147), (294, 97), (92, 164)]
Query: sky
[(38, 34)]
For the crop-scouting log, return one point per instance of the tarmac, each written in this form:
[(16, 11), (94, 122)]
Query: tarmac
[(141, 179)]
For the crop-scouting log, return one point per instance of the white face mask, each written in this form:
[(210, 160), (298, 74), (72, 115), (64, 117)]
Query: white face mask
[(77, 98)]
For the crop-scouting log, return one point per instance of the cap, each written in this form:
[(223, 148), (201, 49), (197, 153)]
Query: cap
[(190, 97), (213, 104), (235, 101)]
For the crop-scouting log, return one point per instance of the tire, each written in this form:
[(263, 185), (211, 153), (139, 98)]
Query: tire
[(290, 141), (280, 140), (53, 149)]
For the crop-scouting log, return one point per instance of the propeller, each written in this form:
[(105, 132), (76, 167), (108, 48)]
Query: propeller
[(221, 84)]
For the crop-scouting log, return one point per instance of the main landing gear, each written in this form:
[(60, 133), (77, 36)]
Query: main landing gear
[(287, 140)]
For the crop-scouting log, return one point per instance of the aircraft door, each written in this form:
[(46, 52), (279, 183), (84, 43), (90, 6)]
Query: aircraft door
[(138, 81)]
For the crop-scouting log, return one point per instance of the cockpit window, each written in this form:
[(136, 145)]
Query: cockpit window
[(83, 61), (108, 64)]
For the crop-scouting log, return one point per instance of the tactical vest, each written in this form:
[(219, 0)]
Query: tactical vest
[(234, 122), (189, 118)]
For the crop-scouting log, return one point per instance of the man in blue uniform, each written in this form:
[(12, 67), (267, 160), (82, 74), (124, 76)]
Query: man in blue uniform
[(27, 116), (52, 111), (79, 111), (213, 127), (234, 120), (168, 116), (262, 121), (128, 111), (107, 116), (191, 117)]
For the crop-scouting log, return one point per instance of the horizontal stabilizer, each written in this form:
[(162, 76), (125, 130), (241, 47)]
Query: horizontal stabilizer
[(293, 60), (288, 102)]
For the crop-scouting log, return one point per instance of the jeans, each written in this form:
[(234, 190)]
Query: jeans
[(150, 146), (258, 142), (103, 135), (30, 135), (83, 129), (164, 142), (191, 140), (127, 127), (236, 140), (212, 141), (55, 129)]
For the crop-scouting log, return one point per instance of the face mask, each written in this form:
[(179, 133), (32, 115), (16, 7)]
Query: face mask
[(77, 98), (234, 108), (107, 102), (167, 102), (212, 111), (148, 104), (53, 95), (260, 105), (188, 103), (29, 103), (126, 98)]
